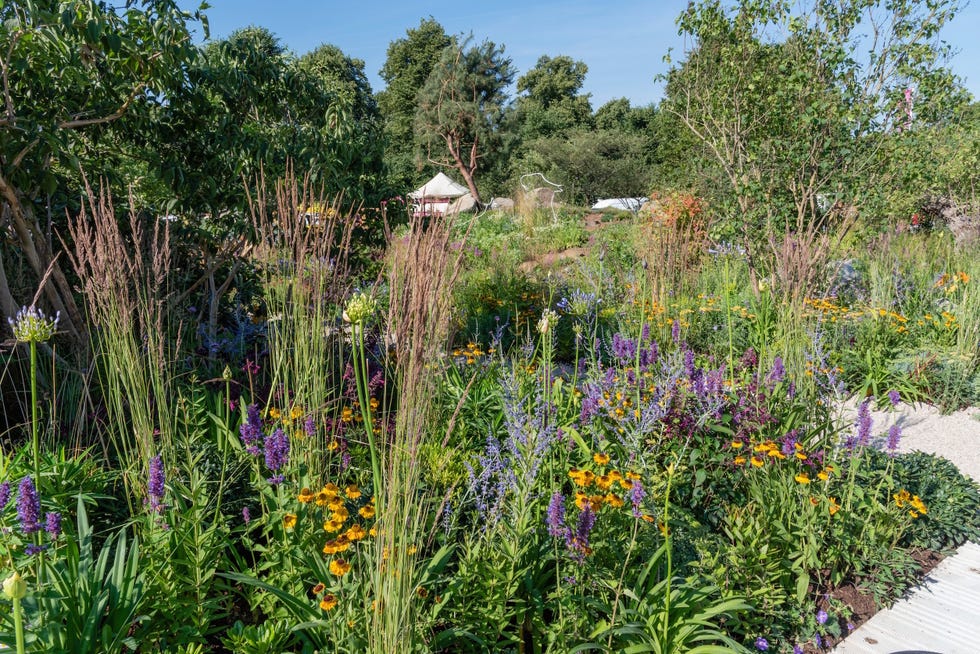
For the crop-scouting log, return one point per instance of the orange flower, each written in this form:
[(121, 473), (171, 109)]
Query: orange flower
[(366, 511), (356, 532), (329, 602), (339, 567), (834, 506), (352, 491), (305, 496), (319, 588)]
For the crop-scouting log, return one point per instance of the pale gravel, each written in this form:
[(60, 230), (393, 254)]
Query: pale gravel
[(955, 437)]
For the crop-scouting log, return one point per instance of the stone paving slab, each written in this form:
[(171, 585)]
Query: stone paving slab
[(939, 616)]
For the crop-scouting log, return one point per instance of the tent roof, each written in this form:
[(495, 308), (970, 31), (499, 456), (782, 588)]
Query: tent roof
[(439, 186)]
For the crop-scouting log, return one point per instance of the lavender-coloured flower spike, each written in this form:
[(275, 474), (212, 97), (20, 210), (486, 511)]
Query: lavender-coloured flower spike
[(556, 516), (586, 520), (894, 436), (246, 515), (864, 423), (251, 430), (637, 493), (778, 371), (156, 488), (4, 494), (276, 454), (28, 506), (894, 397), (52, 524)]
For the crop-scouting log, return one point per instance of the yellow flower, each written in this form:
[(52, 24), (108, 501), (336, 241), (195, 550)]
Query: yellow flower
[(336, 504), (739, 460), (274, 413), (329, 602), (802, 478), (332, 490), (289, 520), (333, 445), (352, 491), (356, 532), (737, 445), (600, 458), (757, 462), (319, 588), (340, 514), (347, 414), (834, 506), (296, 412), (823, 476), (339, 567), (633, 476), (613, 500), (339, 544), (604, 482), (305, 496), (333, 525), (918, 505), (366, 511)]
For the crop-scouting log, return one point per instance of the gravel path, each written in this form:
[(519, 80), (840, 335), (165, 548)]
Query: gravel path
[(955, 436)]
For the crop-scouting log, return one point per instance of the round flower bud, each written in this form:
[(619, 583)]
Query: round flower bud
[(14, 587)]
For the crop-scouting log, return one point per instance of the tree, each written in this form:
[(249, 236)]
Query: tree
[(794, 100), (75, 74), (549, 102), (461, 106), (410, 61), (591, 164), (344, 78)]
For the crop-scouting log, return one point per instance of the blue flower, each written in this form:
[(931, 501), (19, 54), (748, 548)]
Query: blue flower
[(761, 644)]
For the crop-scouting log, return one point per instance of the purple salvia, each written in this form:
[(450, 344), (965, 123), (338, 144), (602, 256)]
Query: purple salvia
[(637, 493), (52, 524), (789, 442), (4, 494), (864, 423), (894, 397), (246, 515), (675, 331), (556, 516), (689, 363), (251, 430), (645, 333), (32, 549), (156, 488), (586, 520), (28, 506), (894, 436), (276, 454), (778, 371), (309, 426)]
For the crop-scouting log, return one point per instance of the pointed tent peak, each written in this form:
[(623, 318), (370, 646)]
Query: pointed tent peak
[(440, 186)]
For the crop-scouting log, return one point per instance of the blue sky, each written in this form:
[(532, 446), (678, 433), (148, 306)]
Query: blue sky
[(623, 42)]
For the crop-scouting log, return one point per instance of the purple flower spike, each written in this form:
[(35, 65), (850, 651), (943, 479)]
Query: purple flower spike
[(821, 617), (637, 493), (864, 423), (156, 488), (761, 644), (251, 430), (246, 515), (28, 506), (556, 516), (4, 494), (894, 397), (894, 436), (52, 524), (276, 454)]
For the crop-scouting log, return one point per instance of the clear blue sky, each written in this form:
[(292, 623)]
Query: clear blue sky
[(623, 42)]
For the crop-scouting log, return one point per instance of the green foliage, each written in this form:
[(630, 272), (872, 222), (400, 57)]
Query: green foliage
[(548, 103), (461, 106), (408, 64), (92, 603), (952, 498)]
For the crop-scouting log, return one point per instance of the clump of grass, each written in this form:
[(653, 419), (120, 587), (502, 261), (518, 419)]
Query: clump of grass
[(125, 279)]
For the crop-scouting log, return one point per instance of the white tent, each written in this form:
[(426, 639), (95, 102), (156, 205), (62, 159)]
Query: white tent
[(435, 196), (623, 204)]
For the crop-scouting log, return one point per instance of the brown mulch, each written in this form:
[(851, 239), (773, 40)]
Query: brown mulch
[(862, 604)]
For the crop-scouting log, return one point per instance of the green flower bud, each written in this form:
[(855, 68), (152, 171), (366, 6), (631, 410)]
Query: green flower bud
[(14, 587), (360, 308)]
